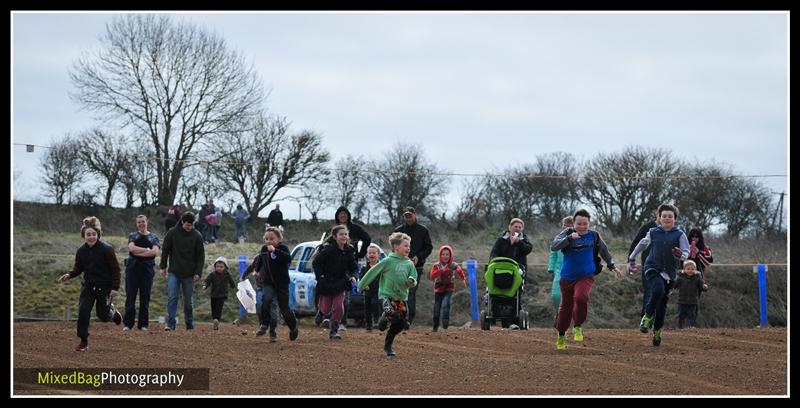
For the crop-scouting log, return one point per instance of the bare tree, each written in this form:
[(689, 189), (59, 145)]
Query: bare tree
[(557, 185), (475, 208), (173, 82), (103, 155), (138, 174), (697, 191), (263, 159), (745, 207), (62, 169), (626, 188), (546, 189), (405, 178), (199, 184), (347, 182), (317, 196)]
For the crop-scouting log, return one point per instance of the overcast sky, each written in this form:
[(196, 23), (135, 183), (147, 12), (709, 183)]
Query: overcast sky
[(478, 91)]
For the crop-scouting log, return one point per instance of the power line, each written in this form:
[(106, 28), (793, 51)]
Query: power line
[(206, 163)]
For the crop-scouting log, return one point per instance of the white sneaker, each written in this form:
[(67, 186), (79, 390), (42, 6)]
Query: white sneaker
[(342, 327), (126, 328)]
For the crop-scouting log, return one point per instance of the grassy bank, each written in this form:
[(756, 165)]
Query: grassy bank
[(46, 237)]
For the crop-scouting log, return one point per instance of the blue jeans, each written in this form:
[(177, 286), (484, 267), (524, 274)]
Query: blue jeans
[(240, 231), (174, 283), (441, 302), (657, 297)]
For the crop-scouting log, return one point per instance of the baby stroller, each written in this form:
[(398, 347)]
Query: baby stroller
[(504, 284)]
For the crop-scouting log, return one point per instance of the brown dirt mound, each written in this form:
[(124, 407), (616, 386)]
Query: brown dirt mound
[(449, 362)]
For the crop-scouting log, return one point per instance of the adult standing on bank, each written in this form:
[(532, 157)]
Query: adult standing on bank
[(275, 218)]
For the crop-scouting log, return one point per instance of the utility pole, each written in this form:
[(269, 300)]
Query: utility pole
[(779, 212)]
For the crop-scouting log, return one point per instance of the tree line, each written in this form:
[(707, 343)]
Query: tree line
[(190, 122)]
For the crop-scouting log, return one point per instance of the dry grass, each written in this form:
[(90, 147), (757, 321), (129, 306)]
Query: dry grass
[(44, 246)]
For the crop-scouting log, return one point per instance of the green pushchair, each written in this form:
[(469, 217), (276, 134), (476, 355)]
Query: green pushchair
[(504, 283)]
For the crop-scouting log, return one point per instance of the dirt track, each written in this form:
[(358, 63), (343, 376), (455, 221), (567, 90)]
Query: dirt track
[(450, 362)]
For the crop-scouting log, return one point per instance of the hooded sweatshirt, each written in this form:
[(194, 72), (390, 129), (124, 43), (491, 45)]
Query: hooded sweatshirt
[(443, 272), (356, 232), (218, 281)]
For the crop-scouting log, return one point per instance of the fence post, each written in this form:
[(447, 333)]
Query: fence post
[(242, 267), (472, 265), (761, 269)]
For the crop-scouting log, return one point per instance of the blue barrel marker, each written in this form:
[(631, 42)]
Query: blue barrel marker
[(762, 292), (472, 266), (242, 267)]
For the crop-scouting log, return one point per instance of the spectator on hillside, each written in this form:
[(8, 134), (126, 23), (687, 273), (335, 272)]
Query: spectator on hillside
[(240, 216), (275, 218), (140, 265), (421, 248), (97, 261), (216, 223), (173, 216)]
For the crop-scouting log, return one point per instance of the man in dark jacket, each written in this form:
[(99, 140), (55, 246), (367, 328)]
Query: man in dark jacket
[(421, 247), (275, 217), (183, 251)]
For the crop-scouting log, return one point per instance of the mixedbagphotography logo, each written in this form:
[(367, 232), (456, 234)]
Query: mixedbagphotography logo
[(146, 379)]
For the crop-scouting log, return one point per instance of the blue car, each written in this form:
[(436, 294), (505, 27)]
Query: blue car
[(303, 284)]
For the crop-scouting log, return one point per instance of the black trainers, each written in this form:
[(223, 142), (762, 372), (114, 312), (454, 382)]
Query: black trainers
[(82, 346), (389, 351), (318, 318), (115, 315), (262, 330), (383, 322), (293, 333)]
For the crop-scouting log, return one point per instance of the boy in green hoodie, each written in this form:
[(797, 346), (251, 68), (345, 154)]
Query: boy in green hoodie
[(397, 274)]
